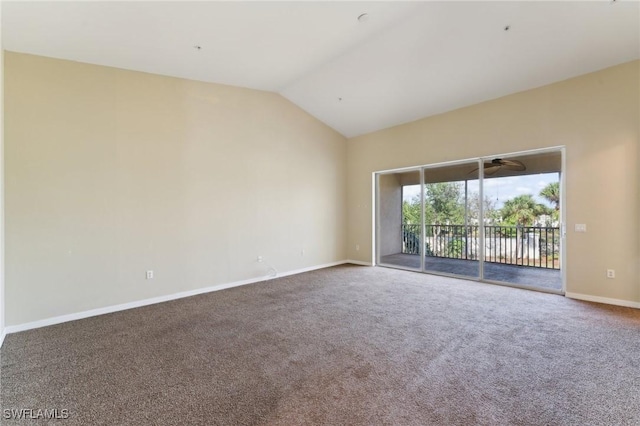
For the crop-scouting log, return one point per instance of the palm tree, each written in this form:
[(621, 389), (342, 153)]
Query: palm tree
[(522, 210), (551, 193)]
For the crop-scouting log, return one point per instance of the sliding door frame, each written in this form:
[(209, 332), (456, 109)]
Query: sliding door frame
[(481, 251), (377, 214), (424, 169)]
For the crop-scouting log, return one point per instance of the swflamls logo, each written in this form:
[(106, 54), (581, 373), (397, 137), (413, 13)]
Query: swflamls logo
[(35, 414)]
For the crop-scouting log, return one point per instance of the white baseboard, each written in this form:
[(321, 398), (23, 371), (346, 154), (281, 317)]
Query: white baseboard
[(145, 302), (359, 262), (3, 333), (309, 269), (605, 300)]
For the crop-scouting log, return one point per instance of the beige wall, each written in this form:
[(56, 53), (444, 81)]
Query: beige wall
[(110, 173), (2, 293), (595, 116)]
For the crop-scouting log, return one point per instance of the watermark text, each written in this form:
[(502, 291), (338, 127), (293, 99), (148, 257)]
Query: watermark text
[(35, 414)]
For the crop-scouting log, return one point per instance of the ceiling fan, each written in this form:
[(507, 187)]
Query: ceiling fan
[(498, 163)]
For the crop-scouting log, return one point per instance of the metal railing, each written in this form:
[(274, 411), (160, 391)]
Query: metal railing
[(411, 239), (535, 246)]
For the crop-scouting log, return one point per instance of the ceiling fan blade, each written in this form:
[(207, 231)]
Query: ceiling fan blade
[(513, 165), (497, 163), (488, 168), (491, 168)]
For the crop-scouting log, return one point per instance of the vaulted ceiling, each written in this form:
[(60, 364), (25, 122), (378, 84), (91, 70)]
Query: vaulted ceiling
[(400, 62)]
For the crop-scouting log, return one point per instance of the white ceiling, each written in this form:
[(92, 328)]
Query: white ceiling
[(408, 60)]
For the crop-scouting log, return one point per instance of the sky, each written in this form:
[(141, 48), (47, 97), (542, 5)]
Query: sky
[(503, 189)]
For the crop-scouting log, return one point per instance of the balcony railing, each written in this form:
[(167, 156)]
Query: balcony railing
[(535, 246)]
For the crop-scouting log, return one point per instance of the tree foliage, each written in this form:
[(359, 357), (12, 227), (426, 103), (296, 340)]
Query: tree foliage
[(491, 213), (551, 193), (522, 210), (411, 211), (444, 203)]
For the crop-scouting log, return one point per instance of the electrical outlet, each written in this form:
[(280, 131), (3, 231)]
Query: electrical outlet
[(302, 252), (260, 259), (149, 275), (581, 227), (357, 247), (611, 273)]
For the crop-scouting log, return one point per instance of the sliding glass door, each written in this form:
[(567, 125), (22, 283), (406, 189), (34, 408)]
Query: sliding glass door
[(399, 233), (522, 220), (493, 219), (451, 219)]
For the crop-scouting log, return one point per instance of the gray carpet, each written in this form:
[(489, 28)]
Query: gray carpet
[(345, 345)]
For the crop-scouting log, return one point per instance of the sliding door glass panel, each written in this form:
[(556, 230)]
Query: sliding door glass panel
[(452, 219), (399, 233), (522, 220)]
